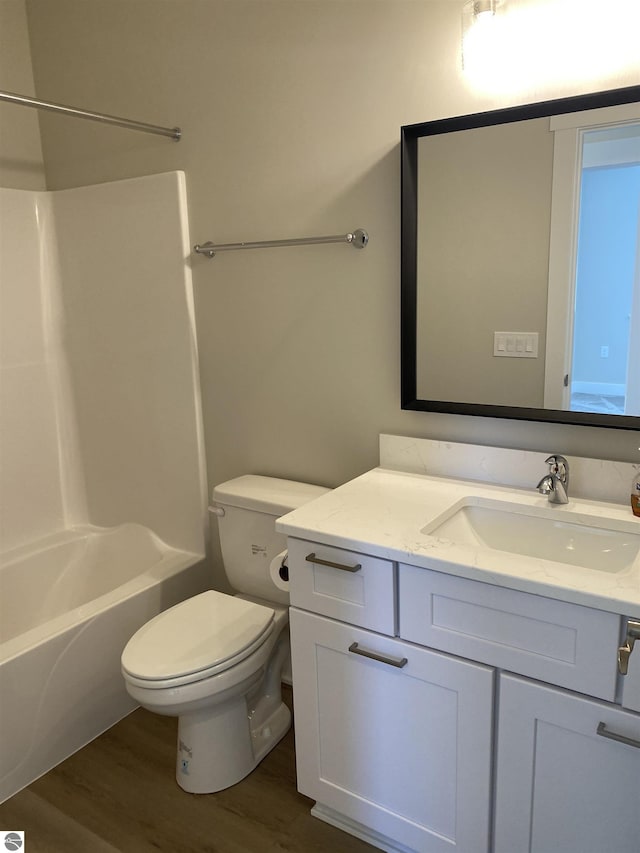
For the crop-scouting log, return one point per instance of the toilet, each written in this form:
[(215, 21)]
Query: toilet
[(216, 661)]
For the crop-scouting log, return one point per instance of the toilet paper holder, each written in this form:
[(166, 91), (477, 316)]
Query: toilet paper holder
[(283, 571), (279, 571)]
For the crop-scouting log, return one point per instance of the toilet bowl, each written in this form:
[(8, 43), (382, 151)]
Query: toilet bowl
[(200, 661), (215, 660)]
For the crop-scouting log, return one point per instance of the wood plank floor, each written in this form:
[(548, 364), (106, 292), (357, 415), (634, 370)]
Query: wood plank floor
[(119, 794)]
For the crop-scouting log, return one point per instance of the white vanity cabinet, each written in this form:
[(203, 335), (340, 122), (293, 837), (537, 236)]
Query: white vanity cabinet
[(568, 772), (434, 712), (568, 764), (393, 741), (392, 737)]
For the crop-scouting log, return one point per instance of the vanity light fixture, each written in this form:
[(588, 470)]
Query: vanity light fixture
[(484, 8), (478, 26)]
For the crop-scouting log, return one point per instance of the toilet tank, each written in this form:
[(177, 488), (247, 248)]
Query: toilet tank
[(248, 538)]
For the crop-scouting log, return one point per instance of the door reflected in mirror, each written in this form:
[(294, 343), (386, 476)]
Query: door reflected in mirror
[(521, 262), (602, 375)]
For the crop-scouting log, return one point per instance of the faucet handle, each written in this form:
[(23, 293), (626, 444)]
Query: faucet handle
[(558, 465), (556, 482)]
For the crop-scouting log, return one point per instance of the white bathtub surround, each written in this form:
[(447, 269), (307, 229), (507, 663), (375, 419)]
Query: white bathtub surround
[(594, 479), (129, 337), (70, 571), (102, 475), (60, 678), (31, 502), (100, 401)]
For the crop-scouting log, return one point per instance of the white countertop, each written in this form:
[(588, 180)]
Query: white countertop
[(383, 512)]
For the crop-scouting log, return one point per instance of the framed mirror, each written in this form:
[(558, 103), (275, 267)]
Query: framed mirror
[(520, 271)]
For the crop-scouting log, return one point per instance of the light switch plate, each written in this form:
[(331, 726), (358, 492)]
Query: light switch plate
[(515, 344)]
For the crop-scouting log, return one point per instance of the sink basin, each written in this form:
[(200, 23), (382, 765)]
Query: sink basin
[(549, 534)]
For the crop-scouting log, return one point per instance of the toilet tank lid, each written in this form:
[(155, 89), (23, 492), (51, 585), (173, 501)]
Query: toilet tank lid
[(266, 494)]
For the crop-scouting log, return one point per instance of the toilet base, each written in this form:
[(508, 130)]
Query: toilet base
[(217, 747), (270, 732)]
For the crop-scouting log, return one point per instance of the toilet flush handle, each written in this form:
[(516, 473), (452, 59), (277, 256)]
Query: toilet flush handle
[(217, 510)]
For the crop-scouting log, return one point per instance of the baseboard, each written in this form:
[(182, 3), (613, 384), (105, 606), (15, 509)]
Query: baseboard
[(360, 831), (599, 389)]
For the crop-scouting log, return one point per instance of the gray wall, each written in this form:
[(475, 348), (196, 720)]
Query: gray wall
[(484, 218), (21, 165), (291, 114)]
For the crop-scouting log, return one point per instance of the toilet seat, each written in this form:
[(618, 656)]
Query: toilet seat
[(199, 637)]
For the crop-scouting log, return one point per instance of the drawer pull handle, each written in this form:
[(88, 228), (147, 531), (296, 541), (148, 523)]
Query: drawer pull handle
[(367, 653), (311, 558), (629, 741), (624, 652)]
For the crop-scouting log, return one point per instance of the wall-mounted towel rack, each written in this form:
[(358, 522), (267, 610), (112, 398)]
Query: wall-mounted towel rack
[(358, 238), (24, 101)]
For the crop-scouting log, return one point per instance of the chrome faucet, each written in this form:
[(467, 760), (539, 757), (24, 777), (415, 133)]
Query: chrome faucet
[(556, 483)]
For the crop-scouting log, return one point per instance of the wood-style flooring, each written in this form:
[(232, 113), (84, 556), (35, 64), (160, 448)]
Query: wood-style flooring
[(119, 794)]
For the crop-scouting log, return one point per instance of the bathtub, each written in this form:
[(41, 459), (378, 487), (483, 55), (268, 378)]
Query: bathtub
[(68, 606)]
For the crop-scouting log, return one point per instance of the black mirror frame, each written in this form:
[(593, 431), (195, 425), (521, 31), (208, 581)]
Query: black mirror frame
[(410, 134)]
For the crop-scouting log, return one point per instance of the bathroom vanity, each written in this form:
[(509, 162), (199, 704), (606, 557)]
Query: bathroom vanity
[(456, 666)]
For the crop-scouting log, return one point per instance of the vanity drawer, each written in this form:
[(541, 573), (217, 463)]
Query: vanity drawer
[(342, 584), (553, 641)]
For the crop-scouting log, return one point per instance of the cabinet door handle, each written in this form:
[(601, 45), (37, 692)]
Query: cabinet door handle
[(624, 652), (368, 653), (629, 741), (311, 558)]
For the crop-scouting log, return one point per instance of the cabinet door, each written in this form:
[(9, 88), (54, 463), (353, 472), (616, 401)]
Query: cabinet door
[(403, 751), (563, 782)]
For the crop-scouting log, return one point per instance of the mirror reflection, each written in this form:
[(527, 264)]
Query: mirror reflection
[(606, 301), (521, 262)]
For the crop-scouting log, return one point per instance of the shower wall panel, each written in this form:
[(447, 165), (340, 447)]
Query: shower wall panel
[(31, 501)]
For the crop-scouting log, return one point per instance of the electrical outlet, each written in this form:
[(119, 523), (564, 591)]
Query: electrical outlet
[(604, 352)]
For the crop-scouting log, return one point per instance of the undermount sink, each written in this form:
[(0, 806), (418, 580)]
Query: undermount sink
[(549, 534)]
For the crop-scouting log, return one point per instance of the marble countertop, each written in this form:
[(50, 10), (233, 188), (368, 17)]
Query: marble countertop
[(383, 513)]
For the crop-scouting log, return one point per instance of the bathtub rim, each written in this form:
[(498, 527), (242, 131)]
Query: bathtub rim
[(171, 561)]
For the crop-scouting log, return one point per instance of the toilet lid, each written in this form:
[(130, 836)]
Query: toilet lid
[(211, 631)]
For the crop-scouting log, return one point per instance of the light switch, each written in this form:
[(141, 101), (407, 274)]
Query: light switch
[(515, 344)]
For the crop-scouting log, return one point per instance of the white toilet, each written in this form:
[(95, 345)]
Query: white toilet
[(216, 661)]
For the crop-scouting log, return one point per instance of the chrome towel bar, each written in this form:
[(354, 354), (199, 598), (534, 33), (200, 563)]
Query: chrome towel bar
[(358, 239)]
